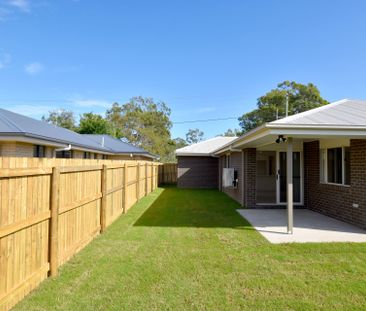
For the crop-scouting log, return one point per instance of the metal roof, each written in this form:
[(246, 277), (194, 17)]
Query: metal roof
[(116, 145), (346, 118), (344, 112), (206, 147), (13, 124)]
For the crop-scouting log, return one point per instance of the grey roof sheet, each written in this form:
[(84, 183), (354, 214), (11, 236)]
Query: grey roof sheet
[(15, 124), (116, 145), (346, 112), (205, 147)]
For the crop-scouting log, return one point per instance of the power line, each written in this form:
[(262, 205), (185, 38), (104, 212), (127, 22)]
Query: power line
[(205, 120)]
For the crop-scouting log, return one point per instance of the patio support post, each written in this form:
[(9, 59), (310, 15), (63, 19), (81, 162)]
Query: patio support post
[(289, 173)]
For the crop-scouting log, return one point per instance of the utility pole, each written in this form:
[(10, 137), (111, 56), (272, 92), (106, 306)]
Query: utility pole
[(286, 103)]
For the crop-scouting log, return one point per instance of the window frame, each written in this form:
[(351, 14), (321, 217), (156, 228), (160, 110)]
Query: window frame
[(65, 154), (323, 167), (87, 155), (39, 151)]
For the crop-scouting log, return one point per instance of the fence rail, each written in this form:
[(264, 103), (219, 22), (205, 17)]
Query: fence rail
[(52, 208), (168, 173)]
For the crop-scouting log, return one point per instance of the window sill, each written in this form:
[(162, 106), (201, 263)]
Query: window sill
[(334, 184)]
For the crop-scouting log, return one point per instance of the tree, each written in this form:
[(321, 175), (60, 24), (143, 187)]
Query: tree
[(91, 123), (174, 144), (63, 118), (194, 136), (179, 143), (142, 122), (232, 133), (301, 98)]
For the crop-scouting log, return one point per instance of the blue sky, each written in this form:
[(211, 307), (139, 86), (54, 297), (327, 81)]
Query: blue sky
[(205, 59)]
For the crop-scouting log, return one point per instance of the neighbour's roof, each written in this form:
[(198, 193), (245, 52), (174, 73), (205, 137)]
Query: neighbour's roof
[(117, 145), (343, 112), (204, 148), (13, 124)]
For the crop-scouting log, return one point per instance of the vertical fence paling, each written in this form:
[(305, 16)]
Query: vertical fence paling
[(55, 191), (81, 202), (168, 173), (103, 203), (125, 183)]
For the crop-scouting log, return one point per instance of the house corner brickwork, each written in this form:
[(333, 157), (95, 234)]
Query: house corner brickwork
[(335, 200), (250, 177)]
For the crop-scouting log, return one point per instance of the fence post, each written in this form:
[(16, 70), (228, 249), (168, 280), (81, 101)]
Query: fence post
[(146, 178), (55, 191), (124, 201), (138, 181), (103, 206)]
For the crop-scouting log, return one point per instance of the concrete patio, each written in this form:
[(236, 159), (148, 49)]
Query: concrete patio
[(309, 226)]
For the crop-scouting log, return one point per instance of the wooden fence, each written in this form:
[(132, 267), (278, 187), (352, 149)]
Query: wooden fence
[(52, 208), (168, 173)]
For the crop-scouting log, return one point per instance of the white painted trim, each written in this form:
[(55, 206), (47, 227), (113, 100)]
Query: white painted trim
[(334, 184), (325, 168), (193, 154)]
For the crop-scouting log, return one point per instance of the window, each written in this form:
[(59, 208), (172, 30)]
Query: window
[(87, 155), (65, 154), (39, 151), (227, 161), (335, 165), (104, 156)]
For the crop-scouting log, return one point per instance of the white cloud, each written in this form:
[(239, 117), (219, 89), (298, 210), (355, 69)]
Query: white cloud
[(22, 5), (5, 59), (90, 103), (33, 68)]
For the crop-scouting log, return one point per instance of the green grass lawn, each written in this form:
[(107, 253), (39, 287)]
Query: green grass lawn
[(190, 250)]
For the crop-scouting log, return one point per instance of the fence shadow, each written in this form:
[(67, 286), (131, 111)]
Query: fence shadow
[(192, 208)]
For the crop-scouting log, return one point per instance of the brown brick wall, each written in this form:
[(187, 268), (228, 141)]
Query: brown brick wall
[(16, 149), (198, 172), (335, 200), (250, 173), (236, 163)]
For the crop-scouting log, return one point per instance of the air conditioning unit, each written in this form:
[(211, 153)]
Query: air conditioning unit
[(229, 178)]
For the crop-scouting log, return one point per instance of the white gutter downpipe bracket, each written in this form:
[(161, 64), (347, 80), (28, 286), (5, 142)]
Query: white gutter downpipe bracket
[(64, 149)]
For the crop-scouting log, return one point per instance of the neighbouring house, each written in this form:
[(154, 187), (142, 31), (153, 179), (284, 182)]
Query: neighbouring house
[(121, 150), (21, 136), (315, 159), (197, 166)]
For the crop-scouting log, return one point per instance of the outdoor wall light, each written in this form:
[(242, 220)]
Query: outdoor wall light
[(280, 139)]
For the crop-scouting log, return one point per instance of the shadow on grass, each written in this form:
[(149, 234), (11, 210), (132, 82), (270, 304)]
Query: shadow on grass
[(198, 208)]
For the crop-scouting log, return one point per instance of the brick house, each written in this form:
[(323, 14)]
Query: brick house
[(324, 148), (197, 167), (21, 136)]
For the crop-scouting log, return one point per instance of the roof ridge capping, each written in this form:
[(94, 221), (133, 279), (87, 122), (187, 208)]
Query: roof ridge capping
[(309, 112)]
